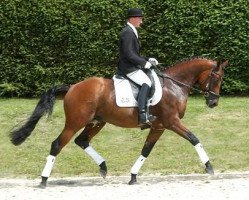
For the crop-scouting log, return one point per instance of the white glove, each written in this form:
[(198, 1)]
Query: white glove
[(147, 65), (153, 61)]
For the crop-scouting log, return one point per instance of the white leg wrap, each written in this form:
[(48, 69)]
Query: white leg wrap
[(48, 167), (94, 155), (138, 164), (201, 152)]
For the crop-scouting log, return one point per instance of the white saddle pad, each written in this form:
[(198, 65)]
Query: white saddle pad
[(124, 94)]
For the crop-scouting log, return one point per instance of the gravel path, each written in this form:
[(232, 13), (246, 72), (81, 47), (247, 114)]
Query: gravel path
[(234, 186)]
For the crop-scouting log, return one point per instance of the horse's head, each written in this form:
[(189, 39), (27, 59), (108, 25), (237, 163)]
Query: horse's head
[(210, 83)]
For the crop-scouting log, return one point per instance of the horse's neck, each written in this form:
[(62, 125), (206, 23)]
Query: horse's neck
[(187, 73)]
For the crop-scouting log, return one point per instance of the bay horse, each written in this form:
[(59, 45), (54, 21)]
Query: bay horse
[(91, 104)]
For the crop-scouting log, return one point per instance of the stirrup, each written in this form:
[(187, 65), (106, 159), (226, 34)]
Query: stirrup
[(145, 118), (151, 118)]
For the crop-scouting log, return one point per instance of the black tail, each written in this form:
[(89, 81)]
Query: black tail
[(45, 105)]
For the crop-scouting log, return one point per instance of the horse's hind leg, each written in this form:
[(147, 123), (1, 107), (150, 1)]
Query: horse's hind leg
[(84, 139), (56, 147), (151, 140)]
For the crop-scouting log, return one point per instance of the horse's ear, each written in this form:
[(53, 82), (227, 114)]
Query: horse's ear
[(223, 63)]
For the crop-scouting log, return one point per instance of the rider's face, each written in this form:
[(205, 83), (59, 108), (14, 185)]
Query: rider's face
[(136, 21)]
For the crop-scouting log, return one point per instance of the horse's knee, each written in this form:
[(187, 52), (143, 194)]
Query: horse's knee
[(81, 143), (55, 148), (192, 138)]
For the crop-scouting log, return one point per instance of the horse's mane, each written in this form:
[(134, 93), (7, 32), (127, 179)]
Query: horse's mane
[(186, 60)]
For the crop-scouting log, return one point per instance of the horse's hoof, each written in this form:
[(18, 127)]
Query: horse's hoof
[(103, 173), (209, 168), (132, 182), (209, 171), (103, 169), (43, 185), (133, 179)]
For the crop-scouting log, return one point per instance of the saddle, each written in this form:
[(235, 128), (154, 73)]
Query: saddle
[(126, 91)]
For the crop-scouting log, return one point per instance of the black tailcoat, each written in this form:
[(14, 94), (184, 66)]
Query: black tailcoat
[(129, 55)]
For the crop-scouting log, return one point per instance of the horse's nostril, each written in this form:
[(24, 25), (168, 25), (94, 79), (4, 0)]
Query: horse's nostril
[(212, 104)]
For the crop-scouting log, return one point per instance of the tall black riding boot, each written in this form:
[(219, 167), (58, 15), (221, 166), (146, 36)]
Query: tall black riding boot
[(144, 117)]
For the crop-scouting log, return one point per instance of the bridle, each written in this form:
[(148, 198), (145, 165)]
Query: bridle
[(208, 93), (213, 77)]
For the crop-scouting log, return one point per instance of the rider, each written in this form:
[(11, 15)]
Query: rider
[(132, 64)]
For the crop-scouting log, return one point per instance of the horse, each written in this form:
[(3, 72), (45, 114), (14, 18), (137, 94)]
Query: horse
[(90, 104)]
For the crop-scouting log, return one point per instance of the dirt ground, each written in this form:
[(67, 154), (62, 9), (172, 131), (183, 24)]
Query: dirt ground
[(234, 186)]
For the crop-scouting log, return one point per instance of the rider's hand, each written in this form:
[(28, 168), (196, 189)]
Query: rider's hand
[(147, 65), (153, 61)]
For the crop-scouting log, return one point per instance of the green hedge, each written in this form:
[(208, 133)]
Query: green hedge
[(215, 29), (50, 42)]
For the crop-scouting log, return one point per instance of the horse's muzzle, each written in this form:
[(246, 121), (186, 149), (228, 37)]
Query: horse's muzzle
[(212, 103), (212, 99)]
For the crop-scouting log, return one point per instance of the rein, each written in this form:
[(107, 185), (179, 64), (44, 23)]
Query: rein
[(160, 74), (207, 94)]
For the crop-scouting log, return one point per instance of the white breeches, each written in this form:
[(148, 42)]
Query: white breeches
[(139, 77)]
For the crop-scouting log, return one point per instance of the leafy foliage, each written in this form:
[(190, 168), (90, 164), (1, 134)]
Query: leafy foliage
[(50, 42)]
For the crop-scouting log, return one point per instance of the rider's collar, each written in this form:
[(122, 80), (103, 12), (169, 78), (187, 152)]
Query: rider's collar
[(133, 28)]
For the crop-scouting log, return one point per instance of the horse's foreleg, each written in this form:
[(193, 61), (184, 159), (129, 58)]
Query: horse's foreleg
[(185, 133), (56, 147), (83, 141), (151, 140), (201, 152)]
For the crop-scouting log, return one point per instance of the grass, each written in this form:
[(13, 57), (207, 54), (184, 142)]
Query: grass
[(223, 131)]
